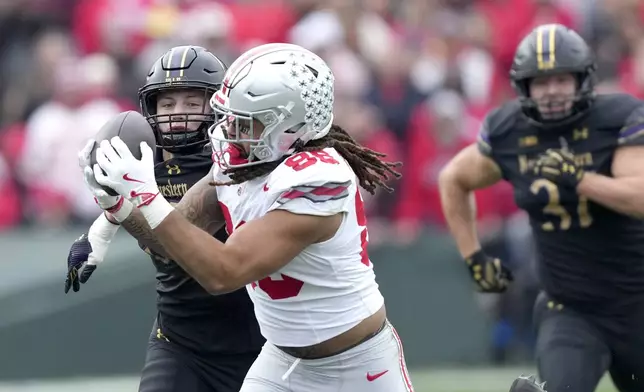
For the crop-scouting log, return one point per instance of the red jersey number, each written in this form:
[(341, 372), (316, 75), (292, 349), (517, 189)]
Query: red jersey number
[(362, 222), (286, 287), (302, 160)]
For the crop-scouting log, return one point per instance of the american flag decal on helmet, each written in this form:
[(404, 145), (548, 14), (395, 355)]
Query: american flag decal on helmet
[(317, 194)]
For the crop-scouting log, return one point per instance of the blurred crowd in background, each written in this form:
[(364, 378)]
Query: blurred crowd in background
[(414, 79)]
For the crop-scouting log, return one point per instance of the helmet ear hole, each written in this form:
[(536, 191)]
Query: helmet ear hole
[(295, 129), (522, 87), (580, 78), (150, 104)]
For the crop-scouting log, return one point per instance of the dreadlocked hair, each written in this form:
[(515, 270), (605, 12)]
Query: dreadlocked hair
[(371, 170)]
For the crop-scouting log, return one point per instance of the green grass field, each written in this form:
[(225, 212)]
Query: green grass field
[(436, 380), (477, 380)]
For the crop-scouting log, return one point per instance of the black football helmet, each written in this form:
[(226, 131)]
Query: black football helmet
[(548, 50), (182, 67)]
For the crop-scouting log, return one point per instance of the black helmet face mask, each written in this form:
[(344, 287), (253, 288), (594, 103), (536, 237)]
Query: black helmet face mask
[(181, 117)]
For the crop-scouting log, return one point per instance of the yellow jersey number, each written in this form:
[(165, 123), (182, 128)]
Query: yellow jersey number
[(555, 208)]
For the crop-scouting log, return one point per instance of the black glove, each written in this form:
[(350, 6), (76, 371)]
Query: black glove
[(527, 384), (78, 270), (488, 273), (559, 167), (88, 251)]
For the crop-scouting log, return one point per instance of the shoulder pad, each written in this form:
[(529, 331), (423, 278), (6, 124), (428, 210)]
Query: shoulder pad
[(613, 110), (622, 114), (615, 103), (310, 169), (317, 182), (631, 131), (504, 118), (497, 123)]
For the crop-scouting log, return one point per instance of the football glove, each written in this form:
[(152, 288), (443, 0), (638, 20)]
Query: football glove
[(117, 206), (118, 169), (88, 251), (101, 197), (527, 384), (558, 166), (132, 178), (488, 273)]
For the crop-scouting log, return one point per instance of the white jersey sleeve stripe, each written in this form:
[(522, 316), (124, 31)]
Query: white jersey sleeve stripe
[(317, 194)]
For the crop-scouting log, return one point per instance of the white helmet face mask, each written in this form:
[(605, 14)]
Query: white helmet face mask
[(285, 88)]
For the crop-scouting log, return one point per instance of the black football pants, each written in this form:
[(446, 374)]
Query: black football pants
[(574, 350), (170, 367)]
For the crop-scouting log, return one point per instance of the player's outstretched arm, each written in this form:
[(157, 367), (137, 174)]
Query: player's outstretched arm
[(198, 206), (624, 192), (467, 171), (254, 250)]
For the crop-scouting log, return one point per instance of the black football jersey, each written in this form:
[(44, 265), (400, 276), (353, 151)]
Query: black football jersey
[(187, 313), (589, 255)]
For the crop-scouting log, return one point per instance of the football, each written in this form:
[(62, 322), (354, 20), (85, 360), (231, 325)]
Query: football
[(132, 128)]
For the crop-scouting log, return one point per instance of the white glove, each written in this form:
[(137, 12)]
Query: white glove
[(119, 207), (131, 178), (103, 200)]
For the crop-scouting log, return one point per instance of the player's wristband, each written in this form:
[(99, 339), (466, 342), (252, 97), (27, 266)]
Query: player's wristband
[(477, 257), (156, 211), (121, 211), (104, 228)]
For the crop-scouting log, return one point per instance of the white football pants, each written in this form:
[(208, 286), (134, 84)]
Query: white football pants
[(376, 365)]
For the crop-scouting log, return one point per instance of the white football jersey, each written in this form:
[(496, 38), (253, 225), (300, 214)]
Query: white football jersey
[(329, 287)]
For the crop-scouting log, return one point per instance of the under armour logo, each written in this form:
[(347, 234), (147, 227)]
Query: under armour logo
[(580, 134), (173, 169)]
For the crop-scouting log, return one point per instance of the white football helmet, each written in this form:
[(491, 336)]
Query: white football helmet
[(286, 88)]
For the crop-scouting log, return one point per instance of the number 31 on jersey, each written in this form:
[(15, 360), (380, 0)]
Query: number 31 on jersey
[(555, 208)]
